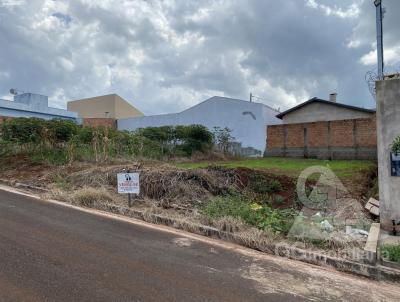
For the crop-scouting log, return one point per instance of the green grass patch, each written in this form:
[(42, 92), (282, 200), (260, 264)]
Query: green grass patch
[(243, 207), (289, 166), (390, 253)]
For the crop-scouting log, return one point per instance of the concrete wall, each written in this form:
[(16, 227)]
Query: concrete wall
[(20, 109), (315, 112), (35, 101), (345, 139), (246, 120), (388, 125), (125, 110), (97, 107)]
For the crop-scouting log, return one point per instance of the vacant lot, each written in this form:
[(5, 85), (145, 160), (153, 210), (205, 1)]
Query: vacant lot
[(256, 198)]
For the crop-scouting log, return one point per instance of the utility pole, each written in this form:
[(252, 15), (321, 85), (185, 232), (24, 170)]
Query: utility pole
[(251, 97), (379, 36)]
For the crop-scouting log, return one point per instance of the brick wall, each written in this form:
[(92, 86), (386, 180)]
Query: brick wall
[(294, 136), (96, 122), (346, 139), (318, 135), (341, 133), (276, 136), (366, 134)]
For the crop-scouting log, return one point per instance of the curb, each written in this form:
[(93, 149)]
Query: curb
[(22, 185), (377, 272)]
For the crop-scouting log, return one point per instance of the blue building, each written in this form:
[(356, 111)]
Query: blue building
[(33, 105)]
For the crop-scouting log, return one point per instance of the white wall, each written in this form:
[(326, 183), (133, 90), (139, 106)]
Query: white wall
[(246, 120)]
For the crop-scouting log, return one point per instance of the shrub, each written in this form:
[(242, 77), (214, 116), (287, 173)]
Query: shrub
[(260, 184), (278, 199), (274, 186), (223, 138), (196, 138), (390, 252), (179, 140), (5, 148), (62, 130), (23, 130), (61, 141)]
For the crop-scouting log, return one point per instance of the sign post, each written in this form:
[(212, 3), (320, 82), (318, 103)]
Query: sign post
[(128, 183)]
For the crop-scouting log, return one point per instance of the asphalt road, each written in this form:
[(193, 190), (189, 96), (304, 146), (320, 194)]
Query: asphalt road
[(50, 252)]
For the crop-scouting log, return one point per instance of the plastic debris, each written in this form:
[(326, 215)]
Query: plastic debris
[(326, 226), (356, 232)]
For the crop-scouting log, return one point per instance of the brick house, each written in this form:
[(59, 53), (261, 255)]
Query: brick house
[(324, 129)]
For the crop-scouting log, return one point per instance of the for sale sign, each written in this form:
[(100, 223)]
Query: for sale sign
[(128, 183)]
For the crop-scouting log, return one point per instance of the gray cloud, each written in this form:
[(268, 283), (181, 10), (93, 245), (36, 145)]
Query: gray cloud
[(166, 55)]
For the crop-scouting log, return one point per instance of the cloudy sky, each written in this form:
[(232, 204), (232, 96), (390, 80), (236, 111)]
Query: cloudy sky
[(165, 55)]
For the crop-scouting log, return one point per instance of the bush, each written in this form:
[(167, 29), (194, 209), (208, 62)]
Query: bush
[(5, 148), (242, 207), (223, 139), (390, 252), (23, 130), (62, 130), (258, 183), (61, 141), (179, 140)]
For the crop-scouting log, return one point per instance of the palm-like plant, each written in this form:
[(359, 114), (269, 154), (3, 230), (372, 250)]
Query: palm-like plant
[(395, 147)]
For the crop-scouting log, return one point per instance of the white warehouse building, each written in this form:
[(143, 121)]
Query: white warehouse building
[(247, 120)]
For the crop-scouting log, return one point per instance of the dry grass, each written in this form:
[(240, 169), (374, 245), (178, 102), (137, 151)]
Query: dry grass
[(166, 186), (89, 197), (230, 224)]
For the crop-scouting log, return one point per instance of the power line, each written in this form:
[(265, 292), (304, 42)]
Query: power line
[(252, 96)]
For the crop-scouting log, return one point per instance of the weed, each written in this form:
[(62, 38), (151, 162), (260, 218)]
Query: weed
[(62, 183), (390, 252), (278, 199), (242, 207), (259, 184)]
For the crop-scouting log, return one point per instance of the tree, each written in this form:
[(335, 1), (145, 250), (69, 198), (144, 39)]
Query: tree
[(223, 139)]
